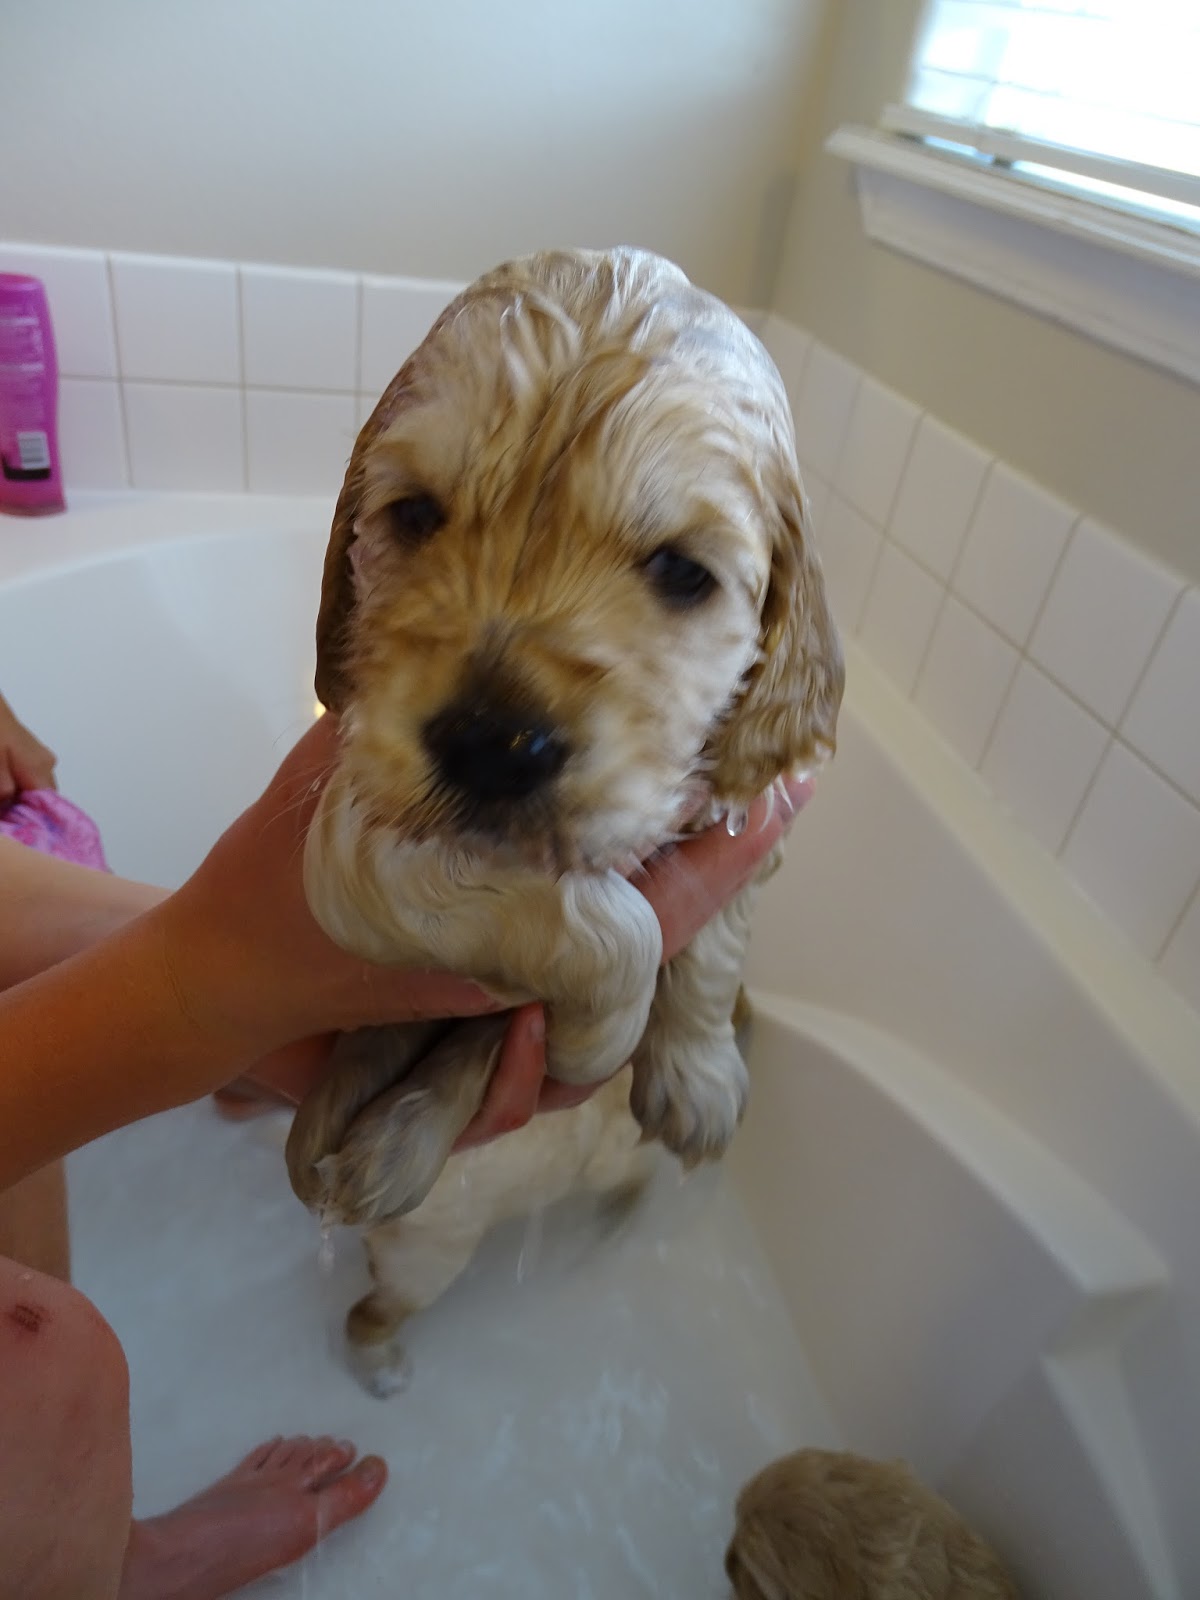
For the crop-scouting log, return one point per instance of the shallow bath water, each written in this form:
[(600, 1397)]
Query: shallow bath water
[(584, 1404)]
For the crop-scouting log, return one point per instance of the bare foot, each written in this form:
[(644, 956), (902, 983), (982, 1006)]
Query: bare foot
[(269, 1511)]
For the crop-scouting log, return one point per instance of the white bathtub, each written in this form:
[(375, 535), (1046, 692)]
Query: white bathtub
[(961, 1224)]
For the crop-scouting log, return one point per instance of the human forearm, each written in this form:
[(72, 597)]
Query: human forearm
[(198, 987), (50, 909), (101, 1039)]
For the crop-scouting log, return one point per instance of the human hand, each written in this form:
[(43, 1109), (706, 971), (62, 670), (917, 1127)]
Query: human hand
[(25, 762), (244, 938), (686, 886), (253, 969)]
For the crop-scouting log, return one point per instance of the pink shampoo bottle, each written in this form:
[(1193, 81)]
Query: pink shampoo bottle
[(30, 475)]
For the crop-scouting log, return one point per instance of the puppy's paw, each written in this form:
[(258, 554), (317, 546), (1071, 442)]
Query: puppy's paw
[(604, 977), (390, 1159), (384, 1382), (584, 1048), (376, 1355), (394, 1148), (691, 1094), (364, 1065)]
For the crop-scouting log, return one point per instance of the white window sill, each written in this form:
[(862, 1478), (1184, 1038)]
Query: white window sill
[(1128, 282)]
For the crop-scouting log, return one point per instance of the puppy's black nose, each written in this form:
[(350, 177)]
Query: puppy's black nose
[(494, 753)]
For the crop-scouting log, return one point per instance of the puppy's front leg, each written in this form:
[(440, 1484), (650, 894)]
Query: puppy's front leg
[(391, 1154), (690, 1083), (587, 944), (362, 1066)]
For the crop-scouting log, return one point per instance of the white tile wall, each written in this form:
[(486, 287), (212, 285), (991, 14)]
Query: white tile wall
[(818, 505), (873, 458), (965, 678), (80, 305), (1043, 755), (1136, 848), (938, 496), (177, 321), (1049, 652), (900, 614), (397, 313), (298, 443), (1181, 959), (789, 347), (300, 329), (148, 324), (828, 386), (182, 436), (364, 404), (1013, 545), (849, 550), (91, 434), (1163, 722), (1104, 613)]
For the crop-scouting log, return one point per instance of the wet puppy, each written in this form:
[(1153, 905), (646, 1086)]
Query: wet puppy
[(570, 611), (825, 1525)]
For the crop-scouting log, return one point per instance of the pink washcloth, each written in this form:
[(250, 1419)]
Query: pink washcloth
[(45, 821)]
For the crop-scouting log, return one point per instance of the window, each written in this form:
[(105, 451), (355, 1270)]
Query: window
[(1102, 97), (1049, 151)]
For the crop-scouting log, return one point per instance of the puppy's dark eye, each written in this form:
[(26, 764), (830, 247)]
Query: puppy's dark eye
[(415, 519), (678, 580)]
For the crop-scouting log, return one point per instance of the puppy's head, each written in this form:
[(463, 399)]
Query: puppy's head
[(569, 597)]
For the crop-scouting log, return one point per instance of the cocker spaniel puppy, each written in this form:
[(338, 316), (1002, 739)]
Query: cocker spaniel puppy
[(571, 611), (823, 1525)]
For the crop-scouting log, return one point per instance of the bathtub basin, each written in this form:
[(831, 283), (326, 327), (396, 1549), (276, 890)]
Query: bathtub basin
[(959, 1224)]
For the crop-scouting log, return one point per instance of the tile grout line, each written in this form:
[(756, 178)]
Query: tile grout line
[(1163, 777), (852, 627), (241, 340), (359, 297), (252, 388), (869, 592), (1087, 794), (1023, 656), (995, 722), (887, 520), (1040, 612), (1175, 606), (948, 580), (121, 402), (1191, 900)]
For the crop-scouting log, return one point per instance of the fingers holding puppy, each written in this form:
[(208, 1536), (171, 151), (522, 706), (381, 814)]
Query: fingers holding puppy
[(685, 889), (688, 885)]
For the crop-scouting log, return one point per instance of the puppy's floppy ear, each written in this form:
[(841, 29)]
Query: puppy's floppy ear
[(786, 715), (337, 583), (337, 597)]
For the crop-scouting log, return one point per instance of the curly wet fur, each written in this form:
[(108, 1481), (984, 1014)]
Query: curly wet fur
[(826, 1525), (567, 417)]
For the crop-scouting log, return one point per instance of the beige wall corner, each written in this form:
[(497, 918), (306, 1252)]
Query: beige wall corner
[(1111, 434)]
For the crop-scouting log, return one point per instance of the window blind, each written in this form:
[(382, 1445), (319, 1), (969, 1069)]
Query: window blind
[(1098, 95)]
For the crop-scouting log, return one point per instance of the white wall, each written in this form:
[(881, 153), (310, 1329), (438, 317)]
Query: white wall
[(429, 137), (1113, 436)]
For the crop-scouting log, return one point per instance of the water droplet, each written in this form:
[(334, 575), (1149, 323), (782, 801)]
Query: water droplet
[(325, 1250), (736, 819), (532, 1248)]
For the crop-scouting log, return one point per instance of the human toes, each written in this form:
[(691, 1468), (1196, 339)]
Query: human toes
[(259, 1456), (349, 1494), (327, 1458)]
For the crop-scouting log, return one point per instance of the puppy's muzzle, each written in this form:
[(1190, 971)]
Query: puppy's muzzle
[(493, 755)]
